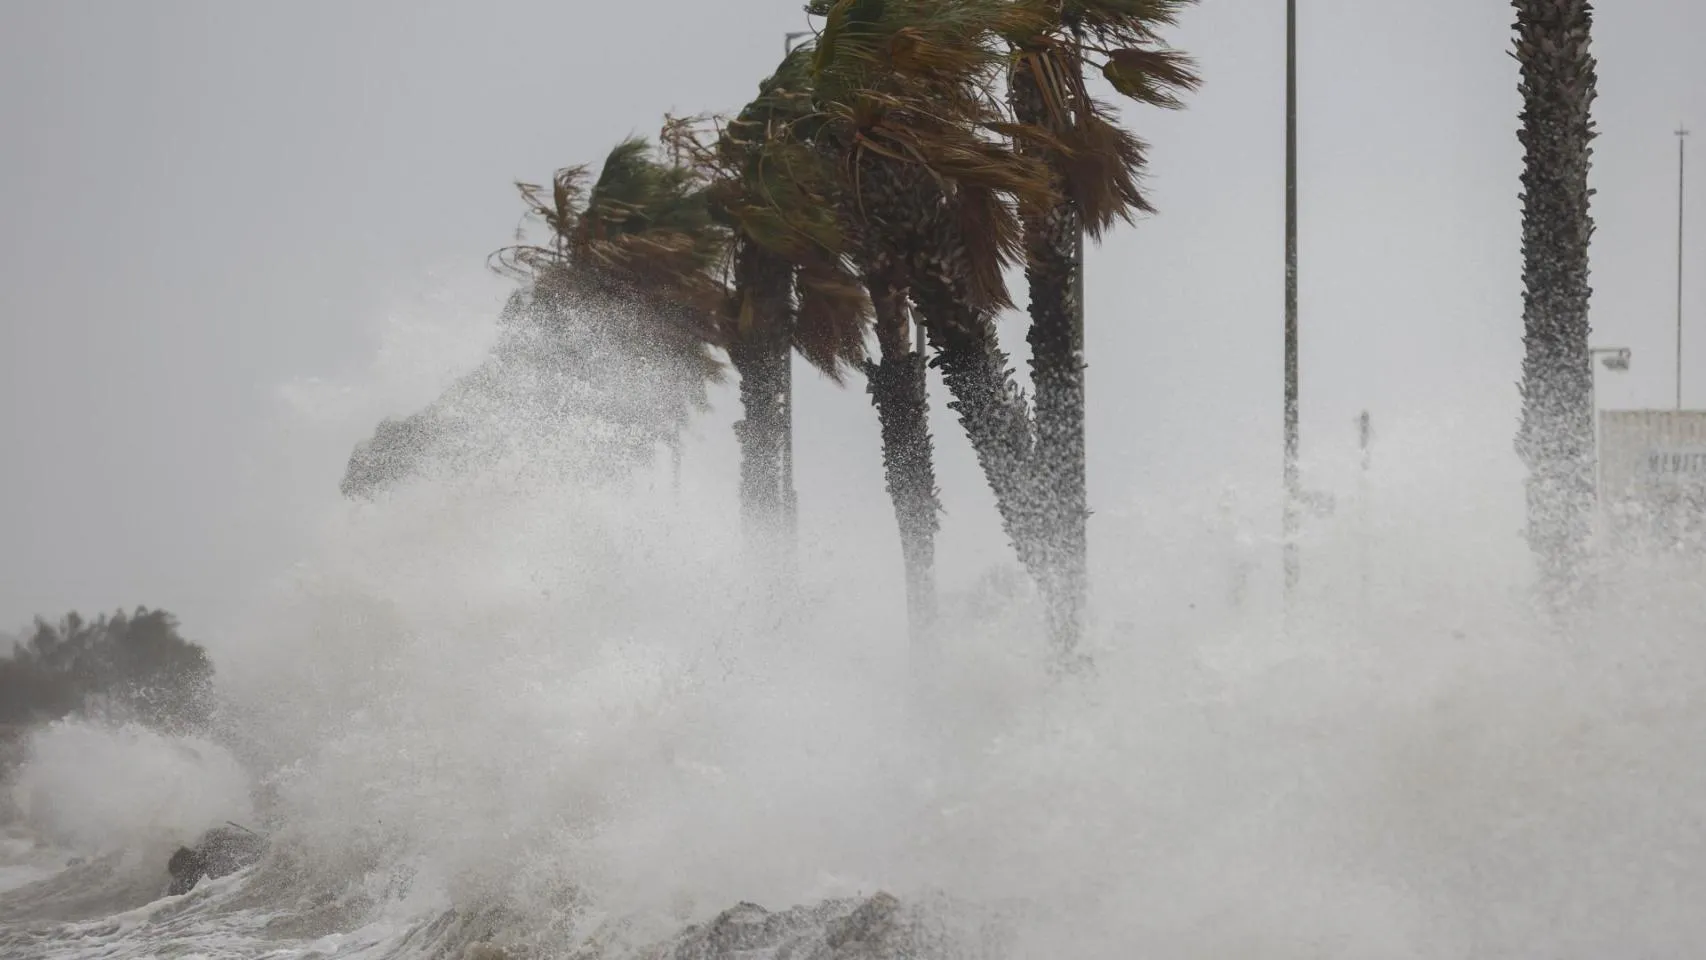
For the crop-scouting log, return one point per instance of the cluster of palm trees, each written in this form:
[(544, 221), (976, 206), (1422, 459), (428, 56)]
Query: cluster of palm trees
[(888, 175)]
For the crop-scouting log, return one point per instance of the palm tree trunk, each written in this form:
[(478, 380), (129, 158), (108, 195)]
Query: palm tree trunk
[(897, 388), (760, 436), (993, 411), (1054, 268), (760, 355), (1556, 437)]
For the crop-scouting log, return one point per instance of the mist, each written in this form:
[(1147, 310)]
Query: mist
[(292, 178), (504, 704)]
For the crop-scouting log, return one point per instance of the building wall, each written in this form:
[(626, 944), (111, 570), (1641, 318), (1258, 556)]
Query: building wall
[(1653, 474)]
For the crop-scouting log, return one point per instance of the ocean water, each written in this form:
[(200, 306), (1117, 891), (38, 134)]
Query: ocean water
[(564, 720)]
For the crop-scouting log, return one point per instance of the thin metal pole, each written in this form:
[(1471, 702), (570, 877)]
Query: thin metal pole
[(1291, 438), (1365, 441), (1681, 183), (1078, 564), (790, 498)]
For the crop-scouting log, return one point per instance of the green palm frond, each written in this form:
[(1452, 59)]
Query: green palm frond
[(642, 231), (911, 96), (769, 185)]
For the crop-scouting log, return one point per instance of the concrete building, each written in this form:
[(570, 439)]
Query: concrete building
[(1652, 476)]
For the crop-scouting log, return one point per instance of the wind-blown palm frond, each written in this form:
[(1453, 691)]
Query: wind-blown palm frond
[(908, 95), (642, 231), (1099, 162), (773, 189)]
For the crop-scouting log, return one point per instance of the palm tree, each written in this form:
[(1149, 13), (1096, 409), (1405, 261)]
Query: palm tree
[(908, 94), (1556, 436), (792, 289), (1096, 166), (635, 254), (796, 210), (785, 201), (621, 285)]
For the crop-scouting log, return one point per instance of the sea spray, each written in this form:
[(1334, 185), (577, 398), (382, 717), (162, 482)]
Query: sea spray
[(502, 708), (93, 788)]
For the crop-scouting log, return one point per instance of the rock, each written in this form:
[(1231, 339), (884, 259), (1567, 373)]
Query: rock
[(221, 851), (877, 928)]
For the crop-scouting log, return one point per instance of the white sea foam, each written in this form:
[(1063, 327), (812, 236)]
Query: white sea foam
[(576, 706)]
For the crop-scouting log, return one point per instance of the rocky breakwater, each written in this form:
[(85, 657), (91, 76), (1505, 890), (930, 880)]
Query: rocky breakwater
[(220, 851)]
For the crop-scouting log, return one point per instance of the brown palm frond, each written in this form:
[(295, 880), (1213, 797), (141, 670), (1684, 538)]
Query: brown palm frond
[(1102, 169), (561, 212), (1118, 23), (965, 158), (1151, 75), (769, 185), (833, 314), (641, 232), (1056, 69), (990, 229), (1099, 163)]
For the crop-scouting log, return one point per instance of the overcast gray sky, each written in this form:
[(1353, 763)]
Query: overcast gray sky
[(206, 201)]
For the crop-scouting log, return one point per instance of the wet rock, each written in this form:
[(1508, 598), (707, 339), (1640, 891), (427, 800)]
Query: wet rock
[(220, 851), (875, 928)]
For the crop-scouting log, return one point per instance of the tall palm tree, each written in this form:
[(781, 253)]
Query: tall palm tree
[(785, 201), (1096, 166), (1556, 437), (804, 195), (908, 92), (791, 288)]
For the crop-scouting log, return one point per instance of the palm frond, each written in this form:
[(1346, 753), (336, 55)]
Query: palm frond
[(1151, 76), (1099, 163), (1102, 168), (833, 314), (768, 183), (1120, 22), (989, 226)]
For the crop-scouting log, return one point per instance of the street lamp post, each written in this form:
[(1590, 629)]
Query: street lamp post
[(1292, 479), (790, 499), (1365, 443), (1681, 183), (1615, 359)]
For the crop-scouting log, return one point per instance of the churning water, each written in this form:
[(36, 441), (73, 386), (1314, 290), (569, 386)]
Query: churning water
[(502, 708)]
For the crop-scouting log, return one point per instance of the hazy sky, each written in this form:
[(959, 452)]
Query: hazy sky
[(206, 201)]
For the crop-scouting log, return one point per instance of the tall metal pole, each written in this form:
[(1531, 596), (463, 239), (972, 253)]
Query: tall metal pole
[(1365, 443), (790, 499), (1613, 358), (1681, 183), (1292, 493)]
